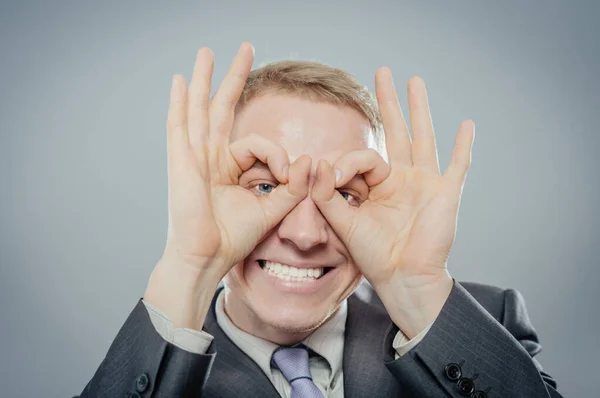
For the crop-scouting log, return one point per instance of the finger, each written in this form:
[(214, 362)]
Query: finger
[(329, 201), (222, 106), (285, 197), (365, 162), (245, 151), (424, 151), (397, 138), (177, 135), (198, 123), (461, 155)]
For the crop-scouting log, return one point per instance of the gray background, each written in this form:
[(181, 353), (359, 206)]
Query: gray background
[(84, 92)]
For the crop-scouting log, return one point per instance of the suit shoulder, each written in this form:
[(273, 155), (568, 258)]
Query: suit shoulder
[(490, 297)]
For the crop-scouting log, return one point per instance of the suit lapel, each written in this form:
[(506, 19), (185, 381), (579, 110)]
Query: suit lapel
[(367, 326), (233, 373)]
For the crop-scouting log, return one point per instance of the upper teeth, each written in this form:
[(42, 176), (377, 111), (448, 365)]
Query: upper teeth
[(282, 270)]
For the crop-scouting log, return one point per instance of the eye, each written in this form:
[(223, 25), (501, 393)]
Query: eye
[(350, 198), (264, 188)]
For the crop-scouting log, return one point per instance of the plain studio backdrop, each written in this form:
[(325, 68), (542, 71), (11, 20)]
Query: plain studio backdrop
[(84, 91)]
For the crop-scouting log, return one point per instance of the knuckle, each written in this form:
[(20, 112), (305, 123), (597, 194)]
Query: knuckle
[(228, 102), (200, 101), (220, 103)]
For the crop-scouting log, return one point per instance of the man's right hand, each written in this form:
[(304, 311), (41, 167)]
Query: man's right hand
[(213, 222)]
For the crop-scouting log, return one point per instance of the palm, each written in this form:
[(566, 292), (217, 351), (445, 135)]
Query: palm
[(406, 228), (210, 216), (411, 217), (239, 230)]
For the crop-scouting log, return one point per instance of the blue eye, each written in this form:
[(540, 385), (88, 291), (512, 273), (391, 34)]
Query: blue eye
[(265, 188), (351, 199)]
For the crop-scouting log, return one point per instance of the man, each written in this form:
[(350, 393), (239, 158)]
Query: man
[(277, 188)]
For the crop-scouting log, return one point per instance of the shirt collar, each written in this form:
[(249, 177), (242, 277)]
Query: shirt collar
[(327, 340)]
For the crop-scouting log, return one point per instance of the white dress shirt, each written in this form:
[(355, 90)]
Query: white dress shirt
[(326, 346)]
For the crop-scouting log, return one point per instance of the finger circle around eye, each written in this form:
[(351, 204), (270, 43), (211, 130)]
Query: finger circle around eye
[(366, 162)]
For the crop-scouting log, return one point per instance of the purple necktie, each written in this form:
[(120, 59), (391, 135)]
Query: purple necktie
[(293, 363)]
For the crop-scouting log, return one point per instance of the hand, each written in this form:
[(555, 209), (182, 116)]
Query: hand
[(401, 236), (213, 222)]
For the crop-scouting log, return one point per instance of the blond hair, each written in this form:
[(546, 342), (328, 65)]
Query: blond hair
[(318, 82)]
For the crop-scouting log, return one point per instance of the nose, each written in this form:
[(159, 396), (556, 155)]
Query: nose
[(304, 226)]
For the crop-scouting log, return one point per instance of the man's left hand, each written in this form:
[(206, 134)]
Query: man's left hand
[(400, 237)]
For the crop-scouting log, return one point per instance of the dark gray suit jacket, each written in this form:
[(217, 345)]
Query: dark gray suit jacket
[(484, 330)]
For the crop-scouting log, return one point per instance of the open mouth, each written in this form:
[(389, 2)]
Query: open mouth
[(287, 272)]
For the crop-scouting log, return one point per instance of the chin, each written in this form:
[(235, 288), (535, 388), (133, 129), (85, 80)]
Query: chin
[(294, 317)]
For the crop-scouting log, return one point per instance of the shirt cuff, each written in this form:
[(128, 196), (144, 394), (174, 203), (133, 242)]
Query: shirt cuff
[(191, 340), (402, 344)]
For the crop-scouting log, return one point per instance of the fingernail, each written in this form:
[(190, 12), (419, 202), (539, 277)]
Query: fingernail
[(285, 170), (338, 176)]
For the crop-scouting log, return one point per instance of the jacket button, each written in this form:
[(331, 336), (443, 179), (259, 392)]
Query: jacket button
[(141, 383), (479, 394), (465, 387), (453, 371)]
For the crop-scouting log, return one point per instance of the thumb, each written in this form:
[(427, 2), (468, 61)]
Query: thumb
[(329, 201), (285, 197)]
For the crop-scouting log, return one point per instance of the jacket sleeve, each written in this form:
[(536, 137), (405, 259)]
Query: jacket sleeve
[(468, 352), (140, 363)]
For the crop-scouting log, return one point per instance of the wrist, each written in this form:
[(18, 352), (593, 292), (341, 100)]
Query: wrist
[(413, 306), (182, 292)]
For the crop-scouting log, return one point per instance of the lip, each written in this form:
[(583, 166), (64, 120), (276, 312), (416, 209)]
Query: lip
[(294, 287)]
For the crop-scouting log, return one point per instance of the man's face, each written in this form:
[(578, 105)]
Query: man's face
[(262, 300)]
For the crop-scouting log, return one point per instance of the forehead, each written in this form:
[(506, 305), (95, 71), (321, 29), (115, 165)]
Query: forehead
[(302, 126)]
